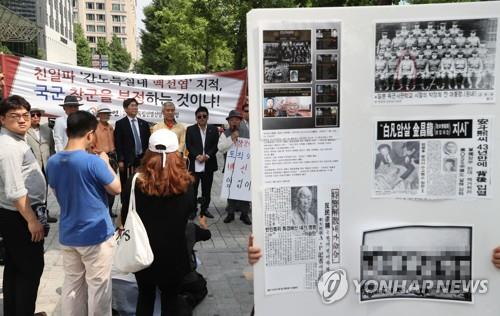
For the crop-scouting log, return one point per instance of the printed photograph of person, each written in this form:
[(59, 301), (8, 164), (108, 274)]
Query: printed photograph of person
[(417, 262), (326, 39), (450, 148), (326, 93), (269, 110), (287, 56), (396, 167), (304, 205), (326, 116), (449, 165), (436, 55), (287, 106), (326, 66)]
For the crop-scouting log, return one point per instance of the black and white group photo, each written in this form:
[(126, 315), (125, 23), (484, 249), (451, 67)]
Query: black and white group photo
[(435, 55), (287, 56)]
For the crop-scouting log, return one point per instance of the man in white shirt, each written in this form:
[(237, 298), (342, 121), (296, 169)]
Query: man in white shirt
[(70, 106)]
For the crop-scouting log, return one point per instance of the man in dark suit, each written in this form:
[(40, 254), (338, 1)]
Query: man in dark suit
[(201, 143), (131, 139)]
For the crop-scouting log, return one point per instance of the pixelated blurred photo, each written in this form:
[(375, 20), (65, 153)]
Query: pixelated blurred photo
[(417, 262)]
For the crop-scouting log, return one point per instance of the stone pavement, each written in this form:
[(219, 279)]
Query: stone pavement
[(223, 260)]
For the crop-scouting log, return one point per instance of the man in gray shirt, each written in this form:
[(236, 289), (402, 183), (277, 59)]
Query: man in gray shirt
[(22, 189)]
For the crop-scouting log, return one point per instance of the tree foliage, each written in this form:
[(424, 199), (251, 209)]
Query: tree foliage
[(201, 36), (119, 58), (83, 53)]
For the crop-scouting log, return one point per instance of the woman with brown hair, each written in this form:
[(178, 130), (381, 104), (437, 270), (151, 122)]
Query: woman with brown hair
[(164, 200)]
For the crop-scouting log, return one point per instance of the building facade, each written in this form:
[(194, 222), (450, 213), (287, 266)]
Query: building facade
[(55, 21), (105, 18)]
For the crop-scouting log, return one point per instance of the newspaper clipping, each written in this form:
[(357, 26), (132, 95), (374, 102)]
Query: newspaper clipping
[(302, 236), (301, 77), (433, 159), (435, 62), (301, 140), (417, 262)]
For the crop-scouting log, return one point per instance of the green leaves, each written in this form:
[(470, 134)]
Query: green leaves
[(83, 53)]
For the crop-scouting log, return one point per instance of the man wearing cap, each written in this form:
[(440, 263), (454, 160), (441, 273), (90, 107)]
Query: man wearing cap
[(473, 39), (406, 73), (104, 142), (432, 71), (201, 143), (40, 139), (475, 69), (80, 181), (384, 42), (168, 110), (460, 65), (70, 105), (447, 69), (226, 140), (131, 139)]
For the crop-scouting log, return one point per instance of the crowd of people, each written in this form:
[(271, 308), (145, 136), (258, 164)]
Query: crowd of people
[(433, 58), (87, 162), (168, 165)]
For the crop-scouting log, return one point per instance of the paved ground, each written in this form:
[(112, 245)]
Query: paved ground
[(223, 258)]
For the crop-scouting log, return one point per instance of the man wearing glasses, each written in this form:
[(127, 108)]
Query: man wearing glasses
[(39, 138), (168, 110), (201, 143), (22, 188)]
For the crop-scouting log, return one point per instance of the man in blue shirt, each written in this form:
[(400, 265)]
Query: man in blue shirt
[(80, 181)]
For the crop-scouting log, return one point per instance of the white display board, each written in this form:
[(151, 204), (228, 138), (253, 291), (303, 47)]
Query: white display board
[(359, 103)]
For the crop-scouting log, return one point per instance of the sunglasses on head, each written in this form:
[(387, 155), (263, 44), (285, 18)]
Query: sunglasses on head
[(201, 116), (33, 114)]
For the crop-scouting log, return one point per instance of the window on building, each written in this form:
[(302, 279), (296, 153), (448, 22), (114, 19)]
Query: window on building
[(123, 18), (99, 6), (115, 7), (90, 28), (101, 17), (116, 18), (90, 5), (117, 29), (101, 29), (91, 39), (90, 17)]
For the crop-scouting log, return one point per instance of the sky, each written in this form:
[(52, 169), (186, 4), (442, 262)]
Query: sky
[(140, 15)]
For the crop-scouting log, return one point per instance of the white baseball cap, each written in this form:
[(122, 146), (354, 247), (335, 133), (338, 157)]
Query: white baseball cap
[(163, 142)]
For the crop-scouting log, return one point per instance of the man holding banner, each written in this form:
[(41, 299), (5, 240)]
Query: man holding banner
[(227, 140)]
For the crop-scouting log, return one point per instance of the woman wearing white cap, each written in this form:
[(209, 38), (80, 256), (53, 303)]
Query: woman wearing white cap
[(164, 200)]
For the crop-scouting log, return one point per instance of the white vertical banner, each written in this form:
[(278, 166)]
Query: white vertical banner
[(237, 182)]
